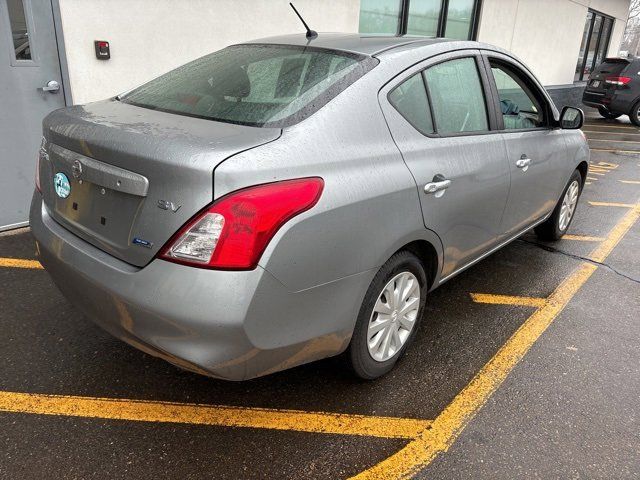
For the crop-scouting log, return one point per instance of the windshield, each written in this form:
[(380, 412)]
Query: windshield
[(254, 84)]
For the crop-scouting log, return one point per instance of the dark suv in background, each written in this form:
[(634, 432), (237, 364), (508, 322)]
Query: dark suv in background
[(614, 89)]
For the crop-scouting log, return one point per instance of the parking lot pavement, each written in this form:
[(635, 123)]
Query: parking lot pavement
[(526, 365)]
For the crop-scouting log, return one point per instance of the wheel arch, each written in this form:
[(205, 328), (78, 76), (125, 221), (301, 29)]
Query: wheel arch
[(583, 168)]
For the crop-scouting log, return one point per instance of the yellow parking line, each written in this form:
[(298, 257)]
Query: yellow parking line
[(616, 234), (611, 133), (614, 150), (592, 179), (611, 141), (583, 238), (166, 412), (633, 182), (507, 300), (612, 204), (19, 263), (453, 419)]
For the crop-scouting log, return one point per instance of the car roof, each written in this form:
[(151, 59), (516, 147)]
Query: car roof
[(365, 44)]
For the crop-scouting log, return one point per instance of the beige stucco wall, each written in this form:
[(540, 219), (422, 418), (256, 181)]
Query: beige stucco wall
[(546, 34), (150, 37)]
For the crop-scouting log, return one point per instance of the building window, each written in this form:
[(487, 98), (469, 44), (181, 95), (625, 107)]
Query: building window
[(595, 43), (456, 19)]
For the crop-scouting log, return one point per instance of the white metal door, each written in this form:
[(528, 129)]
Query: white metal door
[(29, 61)]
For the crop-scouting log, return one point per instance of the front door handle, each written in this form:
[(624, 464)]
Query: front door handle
[(523, 163), (434, 187), (52, 86)]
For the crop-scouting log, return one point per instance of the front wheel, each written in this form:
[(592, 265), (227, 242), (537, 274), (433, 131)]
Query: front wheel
[(389, 317), (607, 114), (558, 223)]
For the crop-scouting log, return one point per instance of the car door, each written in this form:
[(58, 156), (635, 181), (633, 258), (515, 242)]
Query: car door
[(437, 114), (536, 150)]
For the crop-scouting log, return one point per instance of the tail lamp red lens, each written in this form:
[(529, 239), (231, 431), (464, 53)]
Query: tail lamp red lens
[(620, 81), (234, 231)]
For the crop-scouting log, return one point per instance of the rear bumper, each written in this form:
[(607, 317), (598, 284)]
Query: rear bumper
[(610, 101), (230, 325)]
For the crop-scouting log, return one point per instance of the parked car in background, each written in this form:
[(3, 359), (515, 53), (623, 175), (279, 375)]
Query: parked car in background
[(614, 89), (285, 200)]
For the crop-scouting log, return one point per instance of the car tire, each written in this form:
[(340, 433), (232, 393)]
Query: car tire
[(607, 114), (379, 322), (557, 224), (634, 114)]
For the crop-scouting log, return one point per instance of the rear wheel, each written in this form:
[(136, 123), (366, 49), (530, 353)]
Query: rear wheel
[(607, 114), (634, 115), (558, 223), (389, 316)]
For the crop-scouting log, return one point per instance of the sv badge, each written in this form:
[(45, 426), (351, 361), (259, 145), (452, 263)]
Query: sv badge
[(167, 205)]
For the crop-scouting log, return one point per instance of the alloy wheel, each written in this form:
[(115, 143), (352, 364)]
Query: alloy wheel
[(568, 207)]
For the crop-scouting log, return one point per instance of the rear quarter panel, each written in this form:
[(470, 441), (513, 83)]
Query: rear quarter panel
[(369, 207)]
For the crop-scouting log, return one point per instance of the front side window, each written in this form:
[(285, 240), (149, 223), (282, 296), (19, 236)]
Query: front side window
[(257, 85), (410, 99), (519, 106), (457, 97)]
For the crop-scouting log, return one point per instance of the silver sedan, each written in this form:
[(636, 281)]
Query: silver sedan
[(289, 199)]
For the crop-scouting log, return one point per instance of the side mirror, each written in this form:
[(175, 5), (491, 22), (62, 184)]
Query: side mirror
[(571, 118)]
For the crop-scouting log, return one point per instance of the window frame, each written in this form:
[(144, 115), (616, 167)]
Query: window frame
[(592, 22), (437, 60), (529, 89), (28, 16), (403, 19), (420, 74), (529, 81)]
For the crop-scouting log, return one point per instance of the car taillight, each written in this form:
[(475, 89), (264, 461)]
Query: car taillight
[(233, 232), (620, 81)]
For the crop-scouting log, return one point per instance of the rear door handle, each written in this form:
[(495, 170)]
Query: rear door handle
[(433, 187)]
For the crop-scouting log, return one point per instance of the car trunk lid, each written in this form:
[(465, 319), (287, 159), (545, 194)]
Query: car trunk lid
[(134, 175)]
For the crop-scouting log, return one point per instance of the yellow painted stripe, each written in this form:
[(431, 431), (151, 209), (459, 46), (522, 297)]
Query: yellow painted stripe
[(144, 411), (611, 204), (595, 172), (611, 133), (587, 183), (614, 150), (583, 238), (611, 166), (616, 234), (604, 125), (447, 426), (612, 141), (592, 179), (632, 182), (507, 300), (19, 263)]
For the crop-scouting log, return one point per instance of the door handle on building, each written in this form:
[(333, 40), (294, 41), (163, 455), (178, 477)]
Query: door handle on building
[(52, 86)]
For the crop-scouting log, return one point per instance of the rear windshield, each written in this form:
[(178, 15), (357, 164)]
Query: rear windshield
[(254, 84), (612, 66)]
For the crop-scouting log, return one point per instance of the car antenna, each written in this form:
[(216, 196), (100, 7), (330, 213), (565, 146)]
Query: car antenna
[(311, 34)]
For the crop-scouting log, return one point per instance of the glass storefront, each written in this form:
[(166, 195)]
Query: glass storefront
[(595, 42), (430, 18)]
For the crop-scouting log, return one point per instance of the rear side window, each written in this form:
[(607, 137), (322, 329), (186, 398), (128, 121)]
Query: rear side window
[(611, 66), (254, 84), (410, 99), (457, 98)]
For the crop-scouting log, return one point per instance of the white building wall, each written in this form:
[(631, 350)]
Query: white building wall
[(150, 37), (546, 34)]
